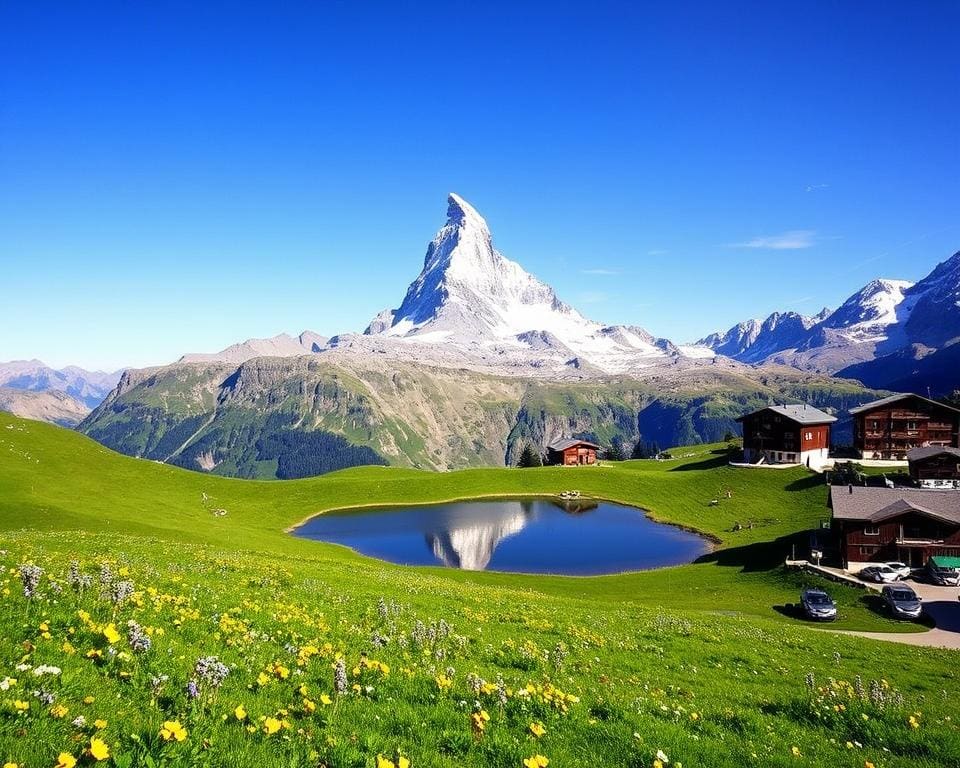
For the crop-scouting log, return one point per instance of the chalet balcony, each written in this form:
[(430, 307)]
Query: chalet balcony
[(914, 542)]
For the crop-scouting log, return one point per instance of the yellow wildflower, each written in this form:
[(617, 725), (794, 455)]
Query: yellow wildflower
[(58, 710), (111, 634), (537, 761), (65, 760), (914, 723), (383, 762), (795, 751), (99, 724), (537, 729), (99, 749), (271, 725), (443, 682), (21, 706), (325, 699), (173, 731), (10, 765), (240, 713)]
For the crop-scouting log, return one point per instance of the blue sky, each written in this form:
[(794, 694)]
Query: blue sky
[(178, 176)]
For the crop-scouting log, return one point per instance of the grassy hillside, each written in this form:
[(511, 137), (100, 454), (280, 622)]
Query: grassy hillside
[(695, 661), (252, 420)]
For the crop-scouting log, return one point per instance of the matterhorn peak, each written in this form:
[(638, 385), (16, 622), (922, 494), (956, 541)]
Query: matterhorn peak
[(470, 297)]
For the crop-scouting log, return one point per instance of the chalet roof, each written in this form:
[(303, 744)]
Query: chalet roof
[(895, 399), (918, 454), (569, 442), (877, 504), (801, 414)]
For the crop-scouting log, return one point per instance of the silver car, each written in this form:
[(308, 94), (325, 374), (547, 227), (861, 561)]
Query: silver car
[(881, 574), (903, 570), (902, 601), (817, 605)]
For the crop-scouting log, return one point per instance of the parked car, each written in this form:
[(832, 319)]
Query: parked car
[(881, 574), (943, 571), (817, 605), (902, 569), (902, 601)]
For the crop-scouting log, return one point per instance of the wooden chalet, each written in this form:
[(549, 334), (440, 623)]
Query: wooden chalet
[(787, 434), (889, 428), (572, 452), (935, 466), (909, 525)]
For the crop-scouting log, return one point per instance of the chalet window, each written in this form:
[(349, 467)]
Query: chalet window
[(874, 425), (808, 436), (911, 425), (867, 550), (871, 530)]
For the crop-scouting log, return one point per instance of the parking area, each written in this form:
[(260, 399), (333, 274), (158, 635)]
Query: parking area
[(941, 604)]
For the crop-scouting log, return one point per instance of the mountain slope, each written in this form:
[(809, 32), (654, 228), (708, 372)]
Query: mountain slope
[(50, 406), (89, 387), (282, 417), (282, 345)]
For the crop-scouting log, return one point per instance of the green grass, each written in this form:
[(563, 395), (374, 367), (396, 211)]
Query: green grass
[(696, 661)]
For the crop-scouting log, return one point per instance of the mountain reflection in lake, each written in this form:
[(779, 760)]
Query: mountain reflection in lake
[(539, 536)]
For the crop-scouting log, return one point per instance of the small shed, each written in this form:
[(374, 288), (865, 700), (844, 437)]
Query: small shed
[(572, 452)]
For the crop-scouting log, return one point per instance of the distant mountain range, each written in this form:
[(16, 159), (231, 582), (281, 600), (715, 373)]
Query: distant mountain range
[(479, 359), (891, 334), (33, 390)]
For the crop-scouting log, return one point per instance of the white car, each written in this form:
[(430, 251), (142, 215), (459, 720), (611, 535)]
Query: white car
[(901, 568), (881, 574)]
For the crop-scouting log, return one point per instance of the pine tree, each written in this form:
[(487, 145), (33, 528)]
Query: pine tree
[(529, 457)]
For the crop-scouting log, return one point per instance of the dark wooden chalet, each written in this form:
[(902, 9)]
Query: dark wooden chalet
[(787, 434), (889, 428), (935, 466), (571, 452), (909, 525)]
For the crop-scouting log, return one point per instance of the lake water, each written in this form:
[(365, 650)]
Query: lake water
[(528, 536)]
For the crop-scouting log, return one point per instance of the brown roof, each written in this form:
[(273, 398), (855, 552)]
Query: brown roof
[(876, 504), (916, 454), (895, 399), (562, 445), (801, 414)]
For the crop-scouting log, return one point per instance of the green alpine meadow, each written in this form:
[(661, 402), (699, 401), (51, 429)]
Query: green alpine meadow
[(160, 617)]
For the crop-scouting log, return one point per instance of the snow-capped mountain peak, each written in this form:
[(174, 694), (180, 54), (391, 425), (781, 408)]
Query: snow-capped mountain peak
[(868, 313), (470, 295)]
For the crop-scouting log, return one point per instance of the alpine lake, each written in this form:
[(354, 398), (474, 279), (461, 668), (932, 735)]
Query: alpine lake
[(577, 537)]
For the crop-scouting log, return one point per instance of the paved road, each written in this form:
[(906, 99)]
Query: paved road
[(943, 606)]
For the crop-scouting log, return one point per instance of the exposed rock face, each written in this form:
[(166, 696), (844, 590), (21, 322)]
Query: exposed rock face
[(51, 406), (282, 345)]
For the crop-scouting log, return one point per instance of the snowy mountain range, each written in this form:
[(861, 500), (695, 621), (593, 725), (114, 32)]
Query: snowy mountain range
[(472, 307), (885, 322)]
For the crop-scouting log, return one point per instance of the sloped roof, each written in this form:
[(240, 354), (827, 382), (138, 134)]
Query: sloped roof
[(569, 442), (895, 399), (801, 414), (876, 504), (916, 454)]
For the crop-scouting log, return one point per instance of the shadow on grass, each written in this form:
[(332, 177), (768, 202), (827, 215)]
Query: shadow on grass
[(718, 458), (805, 483), (760, 556)]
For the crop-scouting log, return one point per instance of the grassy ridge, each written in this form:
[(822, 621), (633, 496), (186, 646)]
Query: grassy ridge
[(693, 661)]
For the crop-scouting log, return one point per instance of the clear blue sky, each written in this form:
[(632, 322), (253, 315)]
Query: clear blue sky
[(178, 176)]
